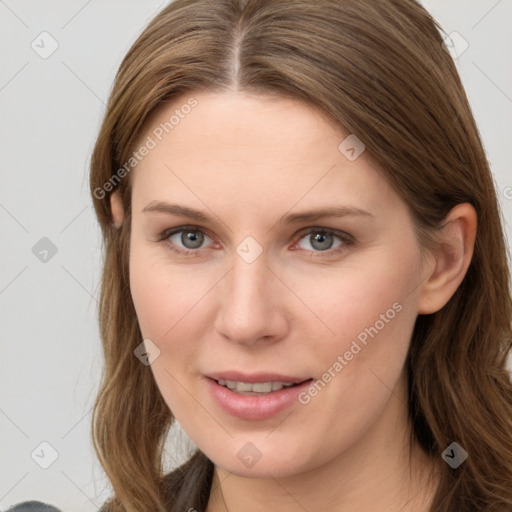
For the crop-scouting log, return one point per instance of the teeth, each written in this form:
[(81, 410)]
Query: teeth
[(243, 386), (256, 388), (261, 387)]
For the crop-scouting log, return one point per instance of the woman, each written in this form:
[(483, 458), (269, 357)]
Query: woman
[(304, 266)]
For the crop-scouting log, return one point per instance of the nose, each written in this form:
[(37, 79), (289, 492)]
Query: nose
[(252, 304)]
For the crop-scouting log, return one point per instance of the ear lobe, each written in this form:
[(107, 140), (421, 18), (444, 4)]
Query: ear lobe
[(452, 259), (116, 205)]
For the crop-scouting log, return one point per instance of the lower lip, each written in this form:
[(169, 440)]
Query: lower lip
[(252, 407)]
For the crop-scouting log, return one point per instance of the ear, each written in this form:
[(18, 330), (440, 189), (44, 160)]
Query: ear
[(116, 205), (452, 259)]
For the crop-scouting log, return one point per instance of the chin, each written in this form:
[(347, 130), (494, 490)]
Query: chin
[(260, 458)]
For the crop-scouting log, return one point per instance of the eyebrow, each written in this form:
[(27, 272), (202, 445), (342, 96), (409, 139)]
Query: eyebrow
[(290, 218)]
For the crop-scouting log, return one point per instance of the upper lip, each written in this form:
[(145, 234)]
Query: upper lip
[(255, 377)]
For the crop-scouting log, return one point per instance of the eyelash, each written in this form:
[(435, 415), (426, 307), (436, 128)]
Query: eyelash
[(346, 239)]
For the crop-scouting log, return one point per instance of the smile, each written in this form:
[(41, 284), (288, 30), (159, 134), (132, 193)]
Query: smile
[(256, 388), (265, 397)]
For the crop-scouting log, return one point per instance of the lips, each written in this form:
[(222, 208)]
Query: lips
[(250, 405)]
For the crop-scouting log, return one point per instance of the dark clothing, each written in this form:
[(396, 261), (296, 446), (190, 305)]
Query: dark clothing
[(32, 506)]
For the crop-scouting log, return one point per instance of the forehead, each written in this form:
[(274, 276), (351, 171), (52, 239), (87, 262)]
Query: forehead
[(246, 149)]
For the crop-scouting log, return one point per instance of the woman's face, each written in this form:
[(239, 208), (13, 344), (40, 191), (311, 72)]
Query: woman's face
[(266, 250)]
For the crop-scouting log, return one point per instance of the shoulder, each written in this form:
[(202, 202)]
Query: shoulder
[(186, 485)]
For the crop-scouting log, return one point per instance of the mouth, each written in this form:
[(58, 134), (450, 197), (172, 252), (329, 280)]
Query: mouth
[(262, 383), (255, 397)]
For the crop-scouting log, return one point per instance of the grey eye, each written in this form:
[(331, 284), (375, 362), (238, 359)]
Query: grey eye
[(320, 240), (191, 239)]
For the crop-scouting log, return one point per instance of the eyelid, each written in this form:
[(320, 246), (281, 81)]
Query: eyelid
[(341, 234), (166, 233)]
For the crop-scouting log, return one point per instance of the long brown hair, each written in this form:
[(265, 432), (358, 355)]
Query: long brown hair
[(379, 69)]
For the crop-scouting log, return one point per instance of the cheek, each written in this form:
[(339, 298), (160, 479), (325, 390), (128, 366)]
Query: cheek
[(371, 310), (161, 294), (373, 297), (357, 368), (148, 291), (167, 305)]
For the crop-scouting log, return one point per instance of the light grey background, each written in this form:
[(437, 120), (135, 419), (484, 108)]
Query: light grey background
[(50, 115)]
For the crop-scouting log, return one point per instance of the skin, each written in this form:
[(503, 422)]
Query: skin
[(248, 160)]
